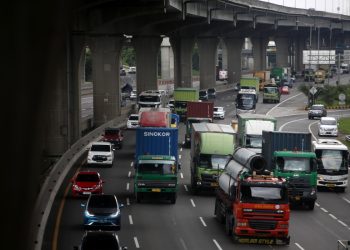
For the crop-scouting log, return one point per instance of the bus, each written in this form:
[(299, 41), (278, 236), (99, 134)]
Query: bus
[(246, 101)]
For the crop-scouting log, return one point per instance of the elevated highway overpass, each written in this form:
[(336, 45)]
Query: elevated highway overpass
[(43, 52)]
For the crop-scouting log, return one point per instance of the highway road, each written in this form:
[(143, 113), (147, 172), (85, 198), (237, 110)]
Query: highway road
[(190, 223)]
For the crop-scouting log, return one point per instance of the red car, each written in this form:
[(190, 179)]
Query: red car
[(114, 136), (285, 90), (86, 183)]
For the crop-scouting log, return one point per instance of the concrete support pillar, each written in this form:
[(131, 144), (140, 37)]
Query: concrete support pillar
[(300, 43), (167, 59), (259, 52), (224, 56), (147, 49), (105, 71), (78, 79), (207, 61), (234, 51), (282, 52), (182, 48)]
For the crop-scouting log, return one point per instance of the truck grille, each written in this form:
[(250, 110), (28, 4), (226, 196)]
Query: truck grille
[(99, 158), (262, 224), (209, 177), (299, 182), (267, 213), (156, 183)]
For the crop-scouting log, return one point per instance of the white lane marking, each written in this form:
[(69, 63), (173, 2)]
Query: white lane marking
[(285, 124), (183, 142), (180, 149), (186, 188), (317, 204), (127, 201), (203, 222), (183, 244), (179, 156), (130, 220), (331, 215), (311, 131), (282, 102), (324, 210), (217, 244), (344, 224), (127, 186), (129, 174), (348, 201), (194, 205), (136, 242), (300, 247), (181, 175), (131, 164)]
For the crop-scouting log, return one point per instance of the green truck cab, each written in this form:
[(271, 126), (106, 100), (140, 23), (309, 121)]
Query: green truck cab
[(211, 146), (271, 93), (250, 83), (289, 155), (278, 74), (181, 97)]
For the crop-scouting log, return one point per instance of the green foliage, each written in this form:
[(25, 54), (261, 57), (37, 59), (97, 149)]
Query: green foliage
[(128, 56), (344, 129)]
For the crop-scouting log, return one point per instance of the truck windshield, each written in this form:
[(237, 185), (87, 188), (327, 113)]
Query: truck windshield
[(181, 105), (245, 101), (270, 90), (291, 164), (156, 168), (149, 99), (254, 142), (261, 194), (213, 161), (331, 159)]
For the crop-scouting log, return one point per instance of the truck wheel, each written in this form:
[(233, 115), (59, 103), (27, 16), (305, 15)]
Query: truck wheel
[(228, 224), (341, 189), (310, 205), (173, 197), (220, 218), (138, 197), (194, 188)]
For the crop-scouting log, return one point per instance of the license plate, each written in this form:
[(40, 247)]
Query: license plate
[(86, 192), (297, 198), (214, 184), (330, 185), (156, 190)]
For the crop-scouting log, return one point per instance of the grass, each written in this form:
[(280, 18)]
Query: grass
[(344, 129)]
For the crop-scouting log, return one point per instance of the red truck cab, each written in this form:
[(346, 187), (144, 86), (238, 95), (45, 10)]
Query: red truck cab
[(114, 136)]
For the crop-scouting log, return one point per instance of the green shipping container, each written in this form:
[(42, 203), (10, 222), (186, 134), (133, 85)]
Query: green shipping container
[(186, 94)]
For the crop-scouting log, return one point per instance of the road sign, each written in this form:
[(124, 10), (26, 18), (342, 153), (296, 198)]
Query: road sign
[(313, 91), (341, 97)]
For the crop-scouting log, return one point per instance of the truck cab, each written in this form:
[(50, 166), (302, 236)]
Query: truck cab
[(246, 101), (271, 93)]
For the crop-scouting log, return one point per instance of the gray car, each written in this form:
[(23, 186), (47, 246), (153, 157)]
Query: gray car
[(317, 110)]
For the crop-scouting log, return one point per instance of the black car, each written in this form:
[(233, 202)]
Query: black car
[(203, 95), (102, 240), (317, 110), (211, 93)]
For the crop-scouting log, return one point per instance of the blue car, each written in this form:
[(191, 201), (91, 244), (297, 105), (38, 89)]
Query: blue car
[(102, 210)]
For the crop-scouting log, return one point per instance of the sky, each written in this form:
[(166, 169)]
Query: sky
[(334, 6)]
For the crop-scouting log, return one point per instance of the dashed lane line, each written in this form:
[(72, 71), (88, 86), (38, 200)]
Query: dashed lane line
[(300, 247), (186, 188), (217, 244), (203, 222), (131, 164), (348, 201), (333, 216), (181, 175), (129, 174), (192, 202), (127, 186), (324, 210), (137, 245), (130, 220)]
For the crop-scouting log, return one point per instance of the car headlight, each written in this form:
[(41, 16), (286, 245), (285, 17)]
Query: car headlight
[(87, 214), (320, 178), (76, 187), (116, 214), (343, 178)]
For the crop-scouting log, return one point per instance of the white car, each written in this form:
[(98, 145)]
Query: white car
[(133, 121), (328, 126), (133, 95), (101, 153), (219, 112)]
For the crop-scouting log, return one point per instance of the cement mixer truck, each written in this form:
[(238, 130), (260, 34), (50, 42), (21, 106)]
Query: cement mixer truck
[(251, 203)]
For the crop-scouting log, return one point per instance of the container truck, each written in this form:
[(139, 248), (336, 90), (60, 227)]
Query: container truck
[(251, 202), (246, 101), (197, 112), (332, 164), (210, 150), (250, 83), (250, 128), (271, 93), (156, 162), (289, 155), (181, 97), (264, 78), (278, 74)]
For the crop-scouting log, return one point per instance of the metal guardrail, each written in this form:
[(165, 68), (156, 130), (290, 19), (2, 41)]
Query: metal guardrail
[(53, 182), (343, 245)]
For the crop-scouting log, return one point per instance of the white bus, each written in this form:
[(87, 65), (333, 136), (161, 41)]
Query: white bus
[(151, 99), (332, 163)]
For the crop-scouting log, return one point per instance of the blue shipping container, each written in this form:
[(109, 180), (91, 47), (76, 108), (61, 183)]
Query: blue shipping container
[(157, 141)]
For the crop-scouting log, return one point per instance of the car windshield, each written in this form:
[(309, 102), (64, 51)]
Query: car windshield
[(202, 93), (293, 164), (157, 168), (328, 122), (100, 242), (331, 159), (211, 91), (111, 131), (270, 90), (218, 109), (87, 178), (246, 100), (100, 148), (102, 201), (263, 194), (133, 118), (149, 99), (317, 107)]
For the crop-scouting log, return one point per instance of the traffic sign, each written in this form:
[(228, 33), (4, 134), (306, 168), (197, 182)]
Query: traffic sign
[(313, 91)]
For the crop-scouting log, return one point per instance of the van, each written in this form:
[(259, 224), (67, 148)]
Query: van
[(328, 126)]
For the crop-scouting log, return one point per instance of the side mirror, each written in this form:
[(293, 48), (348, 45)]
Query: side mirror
[(121, 205), (83, 205)]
